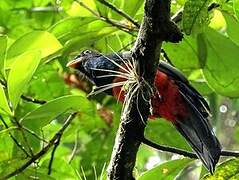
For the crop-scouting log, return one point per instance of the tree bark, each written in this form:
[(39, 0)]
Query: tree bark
[(155, 28)]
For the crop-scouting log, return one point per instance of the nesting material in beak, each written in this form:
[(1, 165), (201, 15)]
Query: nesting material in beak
[(74, 63)]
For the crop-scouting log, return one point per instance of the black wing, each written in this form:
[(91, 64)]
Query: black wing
[(196, 128)]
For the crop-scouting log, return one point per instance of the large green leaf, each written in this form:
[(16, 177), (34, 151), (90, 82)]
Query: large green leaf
[(21, 73), (168, 170), (236, 7), (226, 170), (87, 40), (221, 68), (61, 169), (133, 6), (71, 25), (184, 55), (232, 27), (161, 131), (195, 16), (4, 108), (35, 40), (43, 115), (3, 47)]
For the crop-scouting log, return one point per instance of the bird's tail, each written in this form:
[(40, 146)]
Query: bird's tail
[(199, 134)]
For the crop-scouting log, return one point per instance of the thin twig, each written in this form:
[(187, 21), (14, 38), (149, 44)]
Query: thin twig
[(44, 149), (75, 148), (120, 12), (23, 135), (120, 26), (26, 98), (169, 149), (33, 100), (56, 144), (127, 45), (230, 153), (182, 152), (40, 9), (165, 55), (34, 134), (14, 139)]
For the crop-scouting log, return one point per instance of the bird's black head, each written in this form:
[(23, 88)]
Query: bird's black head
[(80, 62), (97, 67)]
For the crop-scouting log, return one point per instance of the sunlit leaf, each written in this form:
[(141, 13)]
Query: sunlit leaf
[(70, 25), (168, 170), (77, 10), (43, 41), (226, 170), (4, 108), (221, 68), (236, 7), (3, 47), (232, 27), (21, 73), (132, 7), (49, 111), (195, 16)]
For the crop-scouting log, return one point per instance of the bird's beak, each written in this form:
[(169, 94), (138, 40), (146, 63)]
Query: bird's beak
[(74, 63)]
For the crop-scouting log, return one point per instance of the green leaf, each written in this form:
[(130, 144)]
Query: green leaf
[(221, 68), (232, 27), (161, 131), (184, 54), (89, 39), (60, 169), (35, 40), (133, 6), (236, 7), (71, 25), (226, 170), (21, 73), (3, 47), (43, 115), (168, 170), (195, 16), (4, 108), (202, 50)]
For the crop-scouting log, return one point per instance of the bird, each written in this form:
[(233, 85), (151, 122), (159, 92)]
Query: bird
[(173, 97)]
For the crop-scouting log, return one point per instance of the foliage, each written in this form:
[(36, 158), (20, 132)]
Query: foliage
[(38, 92)]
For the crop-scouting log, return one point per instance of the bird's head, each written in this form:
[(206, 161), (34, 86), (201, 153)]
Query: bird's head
[(84, 62), (99, 69)]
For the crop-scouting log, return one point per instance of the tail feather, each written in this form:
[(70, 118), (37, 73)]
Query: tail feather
[(199, 134)]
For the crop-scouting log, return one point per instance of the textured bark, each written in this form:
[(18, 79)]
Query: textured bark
[(155, 28)]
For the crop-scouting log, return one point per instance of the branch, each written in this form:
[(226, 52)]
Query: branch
[(155, 28), (40, 9), (169, 149), (56, 144), (14, 139), (184, 152), (33, 100), (120, 12), (44, 150), (114, 23), (26, 98)]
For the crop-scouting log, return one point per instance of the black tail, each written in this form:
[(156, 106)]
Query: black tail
[(199, 134), (196, 128)]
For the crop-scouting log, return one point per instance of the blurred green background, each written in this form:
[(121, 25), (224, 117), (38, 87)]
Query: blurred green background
[(38, 38)]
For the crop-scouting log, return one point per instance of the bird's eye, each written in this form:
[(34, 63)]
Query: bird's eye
[(86, 52)]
